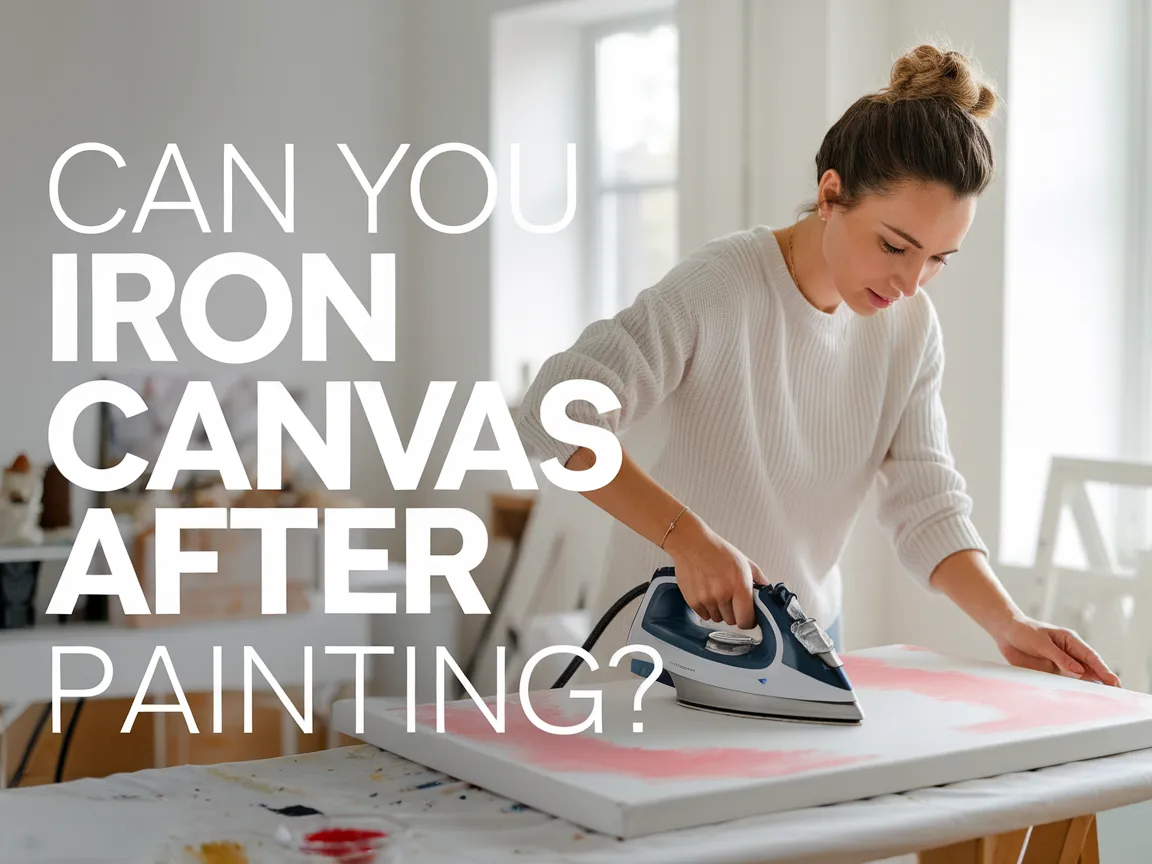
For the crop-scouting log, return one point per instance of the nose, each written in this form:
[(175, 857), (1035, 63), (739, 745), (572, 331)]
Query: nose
[(907, 279), (904, 285)]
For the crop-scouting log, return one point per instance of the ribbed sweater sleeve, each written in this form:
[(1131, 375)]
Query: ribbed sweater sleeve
[(923, 499), (641, 354)]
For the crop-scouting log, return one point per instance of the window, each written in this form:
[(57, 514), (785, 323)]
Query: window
[(604, 75), (1077, 349), (633, 150)]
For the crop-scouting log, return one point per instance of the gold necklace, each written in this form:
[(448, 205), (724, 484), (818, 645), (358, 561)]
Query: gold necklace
[(792, 259)]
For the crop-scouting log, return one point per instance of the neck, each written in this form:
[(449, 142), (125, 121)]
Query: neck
[(809, 268)]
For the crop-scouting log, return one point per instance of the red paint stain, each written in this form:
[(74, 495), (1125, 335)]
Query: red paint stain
[(587, 753), (344, 835), (346, 845), (1023, 706)]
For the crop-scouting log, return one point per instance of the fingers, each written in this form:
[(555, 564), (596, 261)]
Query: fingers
[(1057, 650), (1046, 647), (743, 603), (721, 590), (708, 611), (1027, 661), (744, 609), (702, 605), (726, 610), (1081, 651)]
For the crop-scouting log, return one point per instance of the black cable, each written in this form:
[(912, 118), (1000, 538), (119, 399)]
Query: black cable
[(604, 621), (67, 740), (18, 774)]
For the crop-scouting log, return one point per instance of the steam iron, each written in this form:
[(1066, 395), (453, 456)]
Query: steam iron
[(791, 673)]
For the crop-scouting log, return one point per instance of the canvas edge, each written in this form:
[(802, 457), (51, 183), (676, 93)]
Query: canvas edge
[(857, 783)]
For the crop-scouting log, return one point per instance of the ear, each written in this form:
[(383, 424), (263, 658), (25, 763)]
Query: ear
[(829, 188)]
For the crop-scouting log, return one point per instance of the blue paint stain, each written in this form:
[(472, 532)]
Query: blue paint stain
[(430, 784)]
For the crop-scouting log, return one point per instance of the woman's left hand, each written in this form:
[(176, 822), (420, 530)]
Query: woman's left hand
[(1033, 644)]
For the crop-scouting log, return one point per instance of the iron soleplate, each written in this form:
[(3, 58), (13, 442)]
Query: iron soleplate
[(705, 697)]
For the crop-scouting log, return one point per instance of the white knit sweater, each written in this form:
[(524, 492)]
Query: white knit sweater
[(781, 418)]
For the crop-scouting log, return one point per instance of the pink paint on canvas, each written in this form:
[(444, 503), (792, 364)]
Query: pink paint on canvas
[(1023, 706), (593, 754)]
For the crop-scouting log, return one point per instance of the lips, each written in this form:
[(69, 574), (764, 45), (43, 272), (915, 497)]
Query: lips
[(879, 301)]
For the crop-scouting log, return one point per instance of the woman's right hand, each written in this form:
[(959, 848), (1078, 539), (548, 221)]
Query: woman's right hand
[(716, 579), (714, 576)]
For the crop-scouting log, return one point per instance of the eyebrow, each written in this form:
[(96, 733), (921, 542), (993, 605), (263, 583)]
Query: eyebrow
[(912, 239)]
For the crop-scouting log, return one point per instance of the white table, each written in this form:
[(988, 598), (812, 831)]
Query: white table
[(456, 822)]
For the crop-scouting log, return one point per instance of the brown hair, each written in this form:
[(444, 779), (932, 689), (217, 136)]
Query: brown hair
[(925, 126)]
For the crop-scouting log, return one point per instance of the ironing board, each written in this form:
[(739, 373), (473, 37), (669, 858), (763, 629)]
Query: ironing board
[(135, 814)]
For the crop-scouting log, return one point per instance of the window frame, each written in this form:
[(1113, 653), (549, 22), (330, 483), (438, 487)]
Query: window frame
[(596, 302)]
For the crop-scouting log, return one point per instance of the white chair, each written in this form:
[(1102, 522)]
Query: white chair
[(1110, 602)]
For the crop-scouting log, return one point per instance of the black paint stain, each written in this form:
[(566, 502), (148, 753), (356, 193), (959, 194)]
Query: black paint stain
[(293, 810)]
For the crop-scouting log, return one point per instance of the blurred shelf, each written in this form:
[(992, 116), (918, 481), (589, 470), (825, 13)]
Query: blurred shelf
[(48, 551)]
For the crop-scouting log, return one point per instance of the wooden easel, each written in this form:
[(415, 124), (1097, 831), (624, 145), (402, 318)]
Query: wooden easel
[(1070, 841)]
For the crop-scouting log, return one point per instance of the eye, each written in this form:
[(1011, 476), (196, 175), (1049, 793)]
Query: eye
[(893, 250)]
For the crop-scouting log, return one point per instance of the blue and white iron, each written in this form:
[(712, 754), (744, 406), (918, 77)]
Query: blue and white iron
[(791, 673)]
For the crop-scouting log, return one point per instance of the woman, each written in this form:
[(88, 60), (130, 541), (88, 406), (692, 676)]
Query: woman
[(798, 366)]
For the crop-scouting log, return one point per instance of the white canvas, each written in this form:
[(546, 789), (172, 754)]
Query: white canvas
[(929, 719)]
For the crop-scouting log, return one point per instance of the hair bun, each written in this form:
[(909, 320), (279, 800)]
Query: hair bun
[(927, 72)]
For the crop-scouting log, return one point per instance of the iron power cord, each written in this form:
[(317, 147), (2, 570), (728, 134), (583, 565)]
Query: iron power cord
[(67, 742), (598, 630), (18, 774)]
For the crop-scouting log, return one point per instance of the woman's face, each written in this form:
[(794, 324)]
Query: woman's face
[(888, 246)]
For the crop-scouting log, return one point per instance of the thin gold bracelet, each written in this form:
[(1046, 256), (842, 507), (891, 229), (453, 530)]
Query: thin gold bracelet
[(672, 525)]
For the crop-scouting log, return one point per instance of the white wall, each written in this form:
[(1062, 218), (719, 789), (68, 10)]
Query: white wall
[(137, 76), (537, 74), (714, 160)]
